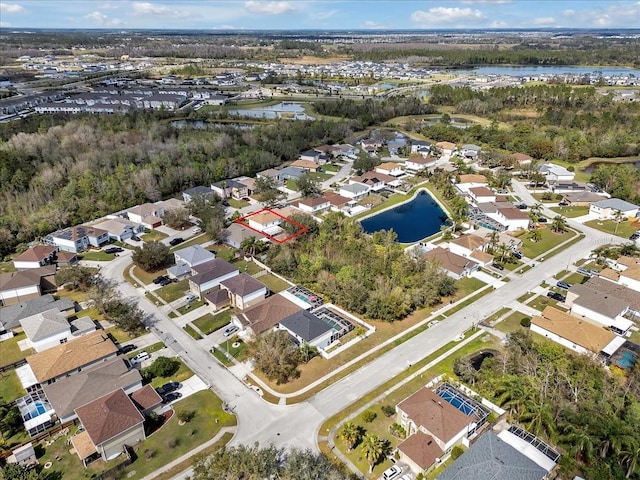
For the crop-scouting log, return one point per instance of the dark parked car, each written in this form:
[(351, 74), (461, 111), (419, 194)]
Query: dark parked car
[(498, 266), (170, 397), (542, 220), (517, 255), (556, 296), (634, 236), (168, 388), (165, 281), (136, 238), (160, 278), (114, 250), (176, 241), (564, 285), (127, 348)]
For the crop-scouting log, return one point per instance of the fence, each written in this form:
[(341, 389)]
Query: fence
[(12, 366)]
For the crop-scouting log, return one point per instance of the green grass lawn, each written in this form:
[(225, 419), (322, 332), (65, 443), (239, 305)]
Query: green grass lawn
[(153, 235), (548, 241), (511, 323), (239, 352), (274, 283), (6, 267), (555, 198), (247, 267), (147, 277), (118, 335), (173, 291), (290, 183), (331, 168), (571, 212), (623, 229), (234, 203), (224, 252), (181, 375), (192, 332), (10, 387), (468, 285), (10, 352), (190, 306), (320, 176), (496, 315), (97, 256), (542, 301), (196, 240), (210, 323)]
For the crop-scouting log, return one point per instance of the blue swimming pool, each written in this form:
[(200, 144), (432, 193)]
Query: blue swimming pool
[(626, 360), (34, 409)]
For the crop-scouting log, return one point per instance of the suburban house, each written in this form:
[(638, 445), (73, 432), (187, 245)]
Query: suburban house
[(609, 304), (441, 425), (36, 257), (630, 277), (371, 145), (119, 229), (314, 205), (556, 173), (187, 258), (396, 144), (354, 191), (417, 163), (265, 315), (23, 285), (265, 221), (390, 168), (521, 158), (481, 195), (188, 194), (454, 265), (76, 239), (470, 180), (375, 181), (420, 147), (207, 276), (244, 291), (311, 156), (68, 358), (12, 314), (73, 391), (146, 400), (111, 422), (307, 165), (581, 199), (290, 173), (230, 188), (610, 208), (338, 202), (306, 328), (271, 173), (447, 148), (513, 218), (347, 150), (470, 151), (236, 233), (575, 333), (51, 328), (471, 246), (148, 214), (503, 456)]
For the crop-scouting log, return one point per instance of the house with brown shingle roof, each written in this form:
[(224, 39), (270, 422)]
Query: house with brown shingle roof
[(575, 333), (18, 287), (112, 422), (35, 257), (314, 205), (244, 290), (146, 399), (456, 266), (390, 168), (482, 195), (420, 451), (71, 357), (429, 413), (265, 315), (468, 243)]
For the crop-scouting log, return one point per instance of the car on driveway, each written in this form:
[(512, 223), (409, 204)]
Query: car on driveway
[(168, 388), (171, 397), (114, 250), (127, 348), (176, 241), (230, 330), (634, 236), (556, 296), (136, 238), (564, 285), (584, 271), (159, 279), (517, 254), (141, 357), (497, 266), (392, 472), (542, 220), (165, 281)]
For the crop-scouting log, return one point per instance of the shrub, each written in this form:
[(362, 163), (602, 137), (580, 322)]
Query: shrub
[(397, 430), (525, 322), (457, 451), (388, 410), (185, 415), (368, 416), (173, 443), (164, 367)]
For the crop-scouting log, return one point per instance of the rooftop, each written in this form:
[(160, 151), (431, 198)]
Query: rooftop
[(605, 297), (268, 313), (449, 261), (242, 284), (45, 324), (194, 255), (306, 325), (211, 270), (146, 397), (36, 254), (616, 204), (422, 449), (25, 278), (11, 315), (470, 241)]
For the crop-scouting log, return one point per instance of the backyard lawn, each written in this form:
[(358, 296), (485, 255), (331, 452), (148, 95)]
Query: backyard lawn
[(548, 241), (173, 291), (274, 283), (571, 212), (10, 352), (209, 323), (623, 229), (10, 387), (250, 268), (224, 252)]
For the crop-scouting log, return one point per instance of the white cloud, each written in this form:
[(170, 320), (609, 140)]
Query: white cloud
[(485, 2), (568, 13), (103, 20), (150, 9), (269, 7), (618, 14), (7, 8), (543, 21), (108, 6), (447, 15)]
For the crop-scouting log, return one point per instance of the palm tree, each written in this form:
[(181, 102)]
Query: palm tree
[(514, 393), (248, 245), (349, 434), (373, 448), (582, 442), (535, 235), (559, 224), (534, 212), (502, 250), (539, 418), (617, 217), (493, 237)]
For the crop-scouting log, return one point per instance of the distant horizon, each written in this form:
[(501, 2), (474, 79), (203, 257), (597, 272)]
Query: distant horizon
[(314, 15)]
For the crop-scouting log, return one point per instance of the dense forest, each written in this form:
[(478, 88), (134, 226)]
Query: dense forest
[(373, 112), (591, 413), (369, 275)]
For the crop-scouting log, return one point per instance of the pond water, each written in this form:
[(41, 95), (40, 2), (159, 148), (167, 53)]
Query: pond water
[(412, 221), (287, 110), (532, 70), (634, 161)]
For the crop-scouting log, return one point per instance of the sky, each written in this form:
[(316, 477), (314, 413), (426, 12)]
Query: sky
[(319, 14)]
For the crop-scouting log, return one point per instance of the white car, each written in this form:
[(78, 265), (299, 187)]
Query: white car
[(230, 330), (391, 472), (197, 230), (140, 357), (190, 298)]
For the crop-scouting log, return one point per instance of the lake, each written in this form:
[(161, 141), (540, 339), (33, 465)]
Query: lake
[(533, 70), (412, 221), (287, 110), (634, 161)]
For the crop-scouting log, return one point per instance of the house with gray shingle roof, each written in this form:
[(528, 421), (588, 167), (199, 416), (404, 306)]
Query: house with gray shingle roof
[(208, 275), (308, 329), (609, 208), (187, 258), (11, 315), (47, 329)]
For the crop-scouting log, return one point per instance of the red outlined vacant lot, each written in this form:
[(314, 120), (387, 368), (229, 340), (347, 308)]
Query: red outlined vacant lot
[(244, 221)]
